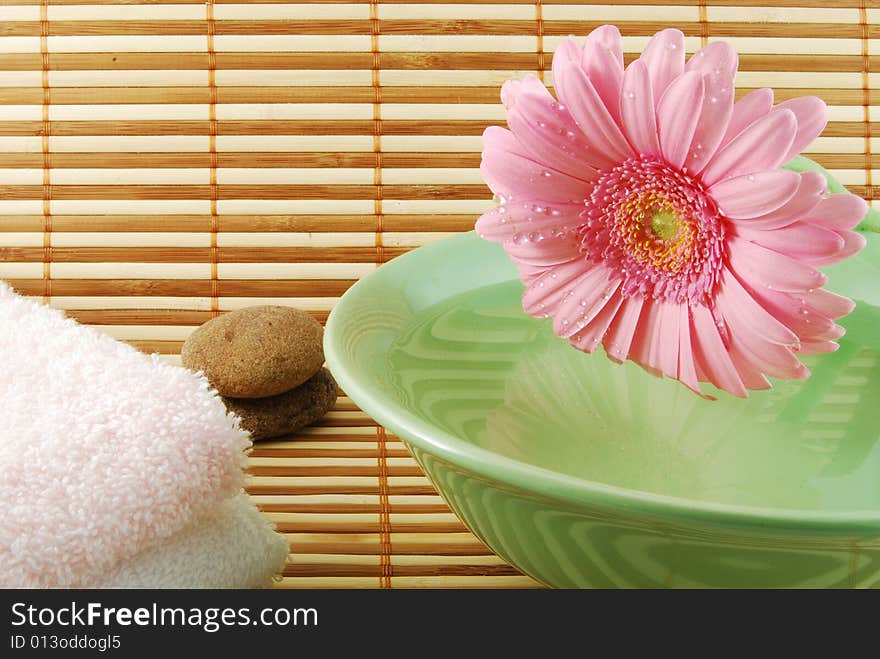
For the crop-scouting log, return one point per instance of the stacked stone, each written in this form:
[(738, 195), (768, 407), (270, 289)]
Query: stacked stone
[(266, 364)]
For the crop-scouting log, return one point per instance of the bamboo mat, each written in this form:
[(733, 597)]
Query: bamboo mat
[(165, 161)]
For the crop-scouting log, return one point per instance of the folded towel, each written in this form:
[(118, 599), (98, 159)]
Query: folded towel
[(231, 547), (104, 452)]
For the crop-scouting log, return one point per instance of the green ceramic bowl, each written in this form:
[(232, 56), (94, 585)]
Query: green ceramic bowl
[(583, 473)]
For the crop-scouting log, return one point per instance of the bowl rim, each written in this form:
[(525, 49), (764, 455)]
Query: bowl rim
[(543, 482)]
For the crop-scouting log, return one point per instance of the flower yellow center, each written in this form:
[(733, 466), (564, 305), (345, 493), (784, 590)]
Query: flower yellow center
[(655, 233), (656, 229), (664, 223)]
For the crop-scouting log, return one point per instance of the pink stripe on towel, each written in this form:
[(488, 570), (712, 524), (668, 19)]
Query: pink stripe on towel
[(104, 452)]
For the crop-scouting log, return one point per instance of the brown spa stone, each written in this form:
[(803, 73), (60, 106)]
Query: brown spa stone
[(288, 412), (256, 352)]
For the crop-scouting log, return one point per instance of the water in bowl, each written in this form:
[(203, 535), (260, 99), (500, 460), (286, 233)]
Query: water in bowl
[(479, 368)]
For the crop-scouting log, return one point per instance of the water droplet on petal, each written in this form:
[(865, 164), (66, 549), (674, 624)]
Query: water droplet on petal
[(545, 174), (630, 94), (750, 177), (673, 46), (713, 99)]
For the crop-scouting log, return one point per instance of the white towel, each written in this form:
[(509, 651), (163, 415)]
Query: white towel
[(104, 452), (231, 547)]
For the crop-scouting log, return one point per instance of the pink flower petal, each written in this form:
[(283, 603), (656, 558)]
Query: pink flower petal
[(714, 118), (796, 314), (734, 300), (504, 221), (753, 195), (618, 339), (603, 62), (589, 337), (759, 266), (675, 122), (770, 358), (550, 135), (853, 243), (814, 347), (568, 51), (665, 341), (528, 273), (543, 295), (809, 194), (761, 146), (751, 377), (525, 248), (748, 110), (801, 240), (812, 116), (716, 58), (840, 211), (829, 304), (510, 92), (587, 108), (637, 110), (664, 59), (509, 173), (717, 63), (687, 371), (587, 296), (495, 137), (641, 350), (711, 355)]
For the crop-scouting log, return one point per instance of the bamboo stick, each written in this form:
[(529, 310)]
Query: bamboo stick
[(403, 544), (397, 88), (636, 3), (509, 582), (336, 485), (347, 30), (513, 582)]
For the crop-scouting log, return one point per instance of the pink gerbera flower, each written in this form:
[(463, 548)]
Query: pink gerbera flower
[(648, 212)]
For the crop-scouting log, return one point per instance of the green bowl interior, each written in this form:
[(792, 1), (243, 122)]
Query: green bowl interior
[(435, 346)]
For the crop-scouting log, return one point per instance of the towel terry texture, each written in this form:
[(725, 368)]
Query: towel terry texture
[(231, 547), (105, 453)]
